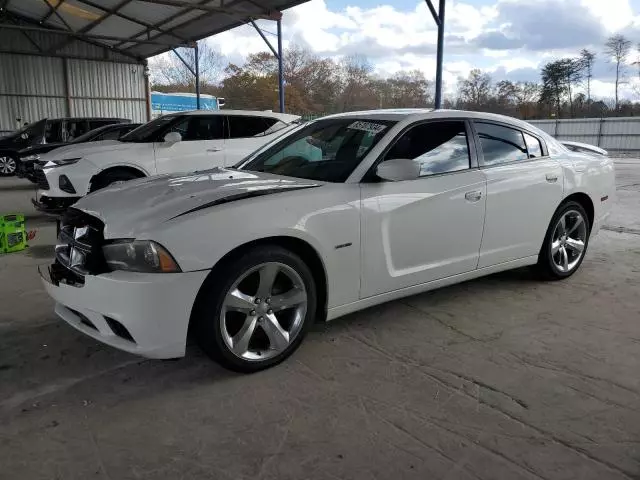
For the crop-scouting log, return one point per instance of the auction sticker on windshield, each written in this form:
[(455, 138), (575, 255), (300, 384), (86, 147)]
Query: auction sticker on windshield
[(367, 126)]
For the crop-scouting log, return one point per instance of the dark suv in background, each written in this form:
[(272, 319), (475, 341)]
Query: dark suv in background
[(30, 156), (46, 131)]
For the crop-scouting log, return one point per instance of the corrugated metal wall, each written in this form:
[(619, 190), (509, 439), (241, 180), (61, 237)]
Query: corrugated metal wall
[(614, 133), (33, 85)]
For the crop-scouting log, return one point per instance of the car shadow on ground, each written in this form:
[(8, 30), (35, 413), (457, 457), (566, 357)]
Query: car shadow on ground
[(52, 359)]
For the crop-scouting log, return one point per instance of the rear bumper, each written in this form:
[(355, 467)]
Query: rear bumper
[(53, 206), (144, 314)]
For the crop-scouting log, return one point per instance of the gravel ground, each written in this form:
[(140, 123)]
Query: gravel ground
[(501, 377)]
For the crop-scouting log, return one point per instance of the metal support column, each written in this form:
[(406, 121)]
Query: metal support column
[(440, 54), (197, 73), (279, 54), (280, 68)]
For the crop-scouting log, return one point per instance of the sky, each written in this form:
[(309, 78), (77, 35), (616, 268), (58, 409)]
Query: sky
[(510, 39)]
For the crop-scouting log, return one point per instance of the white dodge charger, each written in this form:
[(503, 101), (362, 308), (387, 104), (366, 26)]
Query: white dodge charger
[(340, 214)]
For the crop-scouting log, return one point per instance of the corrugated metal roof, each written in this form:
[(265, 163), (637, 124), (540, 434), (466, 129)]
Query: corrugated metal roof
[(139, 28)]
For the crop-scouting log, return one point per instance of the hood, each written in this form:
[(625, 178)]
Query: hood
[(139, 205), (40, 149), (84, 149)]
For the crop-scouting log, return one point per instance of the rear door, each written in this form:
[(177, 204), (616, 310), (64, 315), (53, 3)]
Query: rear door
[(201, 147), (524, 188), (246, 134), (418, 231)]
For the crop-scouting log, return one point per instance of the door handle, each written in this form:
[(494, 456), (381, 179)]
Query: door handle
[(473, 196), (552, 177), (214, 149)]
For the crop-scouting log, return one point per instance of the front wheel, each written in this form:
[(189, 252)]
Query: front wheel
[(255, 312), (565, 244), (7, 165)]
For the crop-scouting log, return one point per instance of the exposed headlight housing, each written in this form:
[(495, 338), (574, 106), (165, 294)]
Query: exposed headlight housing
[(62, 162), (30, 158), (143, 256)]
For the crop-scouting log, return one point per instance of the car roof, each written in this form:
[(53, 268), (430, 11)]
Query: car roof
[(426, 113), (285, 117)]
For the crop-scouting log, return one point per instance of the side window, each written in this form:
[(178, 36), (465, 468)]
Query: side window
[(534, 147), (204, 128), (246, 127), (181, 126), (439, 147), (75, 128), (53, 131), (500, 144)]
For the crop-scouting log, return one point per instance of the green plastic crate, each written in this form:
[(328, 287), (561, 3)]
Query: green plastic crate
[(13, 236)]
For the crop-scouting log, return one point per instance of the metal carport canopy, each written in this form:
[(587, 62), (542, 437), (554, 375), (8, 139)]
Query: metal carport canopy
[(143, 28), (139, 28)]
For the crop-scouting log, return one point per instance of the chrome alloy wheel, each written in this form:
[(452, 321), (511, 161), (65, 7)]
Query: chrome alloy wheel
[(7, 165), (263, 311), (568, 241)]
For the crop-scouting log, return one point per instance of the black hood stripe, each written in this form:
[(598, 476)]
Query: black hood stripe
[(243, 195)]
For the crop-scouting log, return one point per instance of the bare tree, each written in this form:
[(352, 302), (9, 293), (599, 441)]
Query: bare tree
[(168, 69), (587, 58), (617, 49), (475, 90)]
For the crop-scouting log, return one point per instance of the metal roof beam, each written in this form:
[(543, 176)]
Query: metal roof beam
[(170, 18), (88, 36), (434, 14), (266, 40), (54, 11), (147, 25), (187, 10), (266, 14), (91, 25), (51, 11)]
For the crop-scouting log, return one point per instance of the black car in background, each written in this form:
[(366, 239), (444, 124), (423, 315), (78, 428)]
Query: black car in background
[(30, 156), (45, 131)]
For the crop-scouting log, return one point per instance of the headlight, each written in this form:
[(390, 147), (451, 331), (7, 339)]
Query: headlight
[(30, 158), (142, 256), (64, 161)]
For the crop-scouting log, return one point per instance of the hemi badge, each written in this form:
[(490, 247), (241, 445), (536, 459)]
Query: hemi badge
[(343, 245), (606, 197)]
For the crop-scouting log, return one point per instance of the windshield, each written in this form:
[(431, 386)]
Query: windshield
[(324, 150), (149, 132)]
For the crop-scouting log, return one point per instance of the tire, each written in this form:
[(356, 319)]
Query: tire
[(8, 164), (560, 255), (271, 333), (107, 178)]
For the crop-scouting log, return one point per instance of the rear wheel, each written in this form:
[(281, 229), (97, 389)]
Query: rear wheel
[(110, 177), (566, 242), (255, 312), (7, 165)]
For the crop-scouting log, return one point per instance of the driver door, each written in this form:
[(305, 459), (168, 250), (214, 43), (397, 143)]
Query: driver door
[(201, 147), (418, 231)]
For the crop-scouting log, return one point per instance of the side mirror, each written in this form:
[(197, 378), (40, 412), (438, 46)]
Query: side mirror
[(398, 170), (172, 137)]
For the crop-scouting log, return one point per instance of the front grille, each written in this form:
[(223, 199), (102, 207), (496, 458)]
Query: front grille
[(40, 179), (79, 246)]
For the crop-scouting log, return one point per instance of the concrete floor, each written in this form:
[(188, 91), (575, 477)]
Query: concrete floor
[(499, 378)]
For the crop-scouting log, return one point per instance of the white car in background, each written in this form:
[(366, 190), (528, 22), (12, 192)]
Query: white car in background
[(341, 214), (180, 142)]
